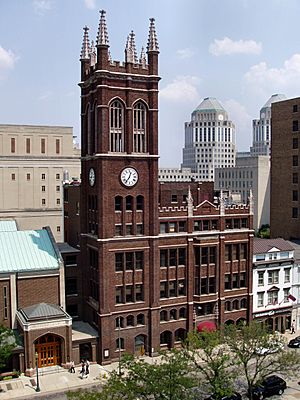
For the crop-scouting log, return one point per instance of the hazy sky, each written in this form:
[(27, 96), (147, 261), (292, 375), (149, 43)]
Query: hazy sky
[(239, 51)]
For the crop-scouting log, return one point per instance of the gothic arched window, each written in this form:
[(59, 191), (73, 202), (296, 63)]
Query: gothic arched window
[(116, 126), (139, 128)]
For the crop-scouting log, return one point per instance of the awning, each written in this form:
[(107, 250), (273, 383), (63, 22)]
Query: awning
[(206, 326)]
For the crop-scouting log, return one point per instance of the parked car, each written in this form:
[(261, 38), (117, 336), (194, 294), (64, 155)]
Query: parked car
[(271, 385), (234, 396), (294, 342)]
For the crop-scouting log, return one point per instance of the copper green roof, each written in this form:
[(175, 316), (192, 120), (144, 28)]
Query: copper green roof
[(27, 251), (8, 226), (209, 104)]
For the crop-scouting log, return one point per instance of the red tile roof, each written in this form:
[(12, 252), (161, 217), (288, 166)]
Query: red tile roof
[(261, 246)]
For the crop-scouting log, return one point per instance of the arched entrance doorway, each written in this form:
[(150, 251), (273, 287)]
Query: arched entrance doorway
[(140, 345), (48, 349)]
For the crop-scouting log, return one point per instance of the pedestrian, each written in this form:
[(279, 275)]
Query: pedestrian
[(72, 367), (293, 327), (82, 371), (87, 367)]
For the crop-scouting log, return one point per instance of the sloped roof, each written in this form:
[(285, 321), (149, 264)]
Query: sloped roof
[(8, 225), (27, 251), (273, 99), (261, 246), (43, 310), (209, 104)]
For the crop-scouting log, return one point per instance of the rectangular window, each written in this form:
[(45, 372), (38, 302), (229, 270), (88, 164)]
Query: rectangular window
[(13, 177), (43, 202), (119, 295), (295, 195), (227, 252), (295, 177), (295, 143), (181, 256), (43, 177), (57, 202), (205, 225), (287, 275), (181, 226), (58, 228), (172, 288), (129, 261), (227, 282), (163, 258), (163, 290), (294, 212), (139, 260), (172, 257), (58, 188), (295, 125), (212, 284), (295, 108), (172, 227), (243, 279), (295, 161), (139, 293), (129, 293), (260, 299), (43, 146), (71, 286), (129, 229), (235, 283), (5, 302), (28, 177), (286, 293), (27, 146), (174, 198), (57, 146), (243, 251), (43, 188), (197, 225), (118, 230), (139, 229), (260, 276), (273, 277), (12, 145), (204, 255), (119, 262), (212, 255), (57, 176), (273, 297), (163, 227)]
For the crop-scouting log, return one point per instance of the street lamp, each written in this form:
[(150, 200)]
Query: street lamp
[(38, 389)]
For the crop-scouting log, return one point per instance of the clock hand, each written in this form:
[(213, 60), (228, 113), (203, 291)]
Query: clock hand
[(128, 177)]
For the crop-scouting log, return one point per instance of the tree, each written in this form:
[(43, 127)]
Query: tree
[(211, 360), (258, 354), (7, 344), (168, 379)]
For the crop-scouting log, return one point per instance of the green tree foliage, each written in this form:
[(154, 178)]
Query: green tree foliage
[(264, 232), (170, 379), (212, 362), (258, 354), (7, 344)]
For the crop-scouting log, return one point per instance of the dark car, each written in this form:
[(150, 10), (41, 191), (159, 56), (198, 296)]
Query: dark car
[(294, 342), (234, 396), (271, 385)]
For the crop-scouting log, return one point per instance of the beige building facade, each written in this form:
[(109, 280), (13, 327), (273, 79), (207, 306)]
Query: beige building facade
[(34, 162)]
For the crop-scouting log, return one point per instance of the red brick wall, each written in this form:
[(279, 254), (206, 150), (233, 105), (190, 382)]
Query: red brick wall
[(37, 290)]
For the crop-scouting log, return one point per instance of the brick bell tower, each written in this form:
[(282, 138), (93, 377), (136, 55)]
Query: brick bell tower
[(119, 200)]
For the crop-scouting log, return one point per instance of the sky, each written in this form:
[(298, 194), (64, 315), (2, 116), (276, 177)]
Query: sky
[(239, 51)]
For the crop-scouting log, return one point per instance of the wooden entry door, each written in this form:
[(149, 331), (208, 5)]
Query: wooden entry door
[(48, 348)]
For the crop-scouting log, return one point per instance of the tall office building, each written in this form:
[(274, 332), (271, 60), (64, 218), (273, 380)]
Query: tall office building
[(33, 162), (261, 142), (285, 171), (209, 140)]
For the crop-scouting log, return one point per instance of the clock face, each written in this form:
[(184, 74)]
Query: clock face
[(129, 176), (92, 177)]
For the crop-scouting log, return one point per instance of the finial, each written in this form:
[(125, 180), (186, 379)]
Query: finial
[(92, 53), (143, 58), (130, 49), (84, 55), (190, 202), (102, 36), (251, 202), (152, 44)]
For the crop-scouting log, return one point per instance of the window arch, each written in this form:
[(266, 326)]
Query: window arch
[(244, 303), (120, 344), (140, 319), (163, 315), (130, 320), (227, 306), (139, 128), (120, 322), (118, 203), (182, 313), (116, 126), (235, 305), (140, 203), (173, 314)]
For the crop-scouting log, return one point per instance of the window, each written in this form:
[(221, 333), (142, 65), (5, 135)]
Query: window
[(287, 275), (120, 344), (286, 293), (139, 128), (172, 288), (173, 314), (181, 226), (120, 322), (116, 124), (43, 146), (295, 195), (43, 202), (5, 302), (118, 203), (57, 176), (130, 320), (273, 297), (13, 177), (295, 125), (43, 177), (71, 286), (71, 261), (12, 145), (295, 177), (139, 293), (58, 228), (273, 277), (119, 295), (182, 312), (72, 309), (227, 252), (58, 188), (295, 108), (139, 260), (242, 279), (140, 203), (118, 230), (235, 284), (57, 202), (28, 177), (294, 212), (132, 261), (227, 282), (119, 261), (129, 293), (295, 161), (227, 306), (129, 261), (260, 299), (163, 290), (163, 227), (57, 146), (43, 188), (140, 319), (129, 229), (260, 276), (139, 229), (129, 203), (27, 146), (295, 143), (174, 198)]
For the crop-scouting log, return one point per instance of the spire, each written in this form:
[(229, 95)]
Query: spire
[(152, 44), (130, 49), (190, 202), (92, 54), (251, 201), (102, 36), (84, 55), (143, 58)]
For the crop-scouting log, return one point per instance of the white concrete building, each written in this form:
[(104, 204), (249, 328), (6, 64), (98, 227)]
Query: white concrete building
[(209, 140), (273, 287), (261, 128), (34, 161), (249, 172)]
